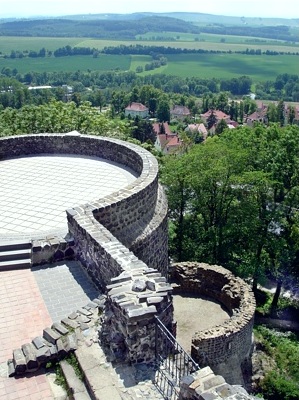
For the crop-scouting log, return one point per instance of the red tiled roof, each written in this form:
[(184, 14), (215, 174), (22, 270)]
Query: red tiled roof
[(218, 114), (180, 110), (136, 107), (157, 128)]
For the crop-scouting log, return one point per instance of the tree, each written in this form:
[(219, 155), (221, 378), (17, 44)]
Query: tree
[(211, 120), (281, 113), (222, 102), (143, 131), (291, 114), (220, 127), (163, 110)]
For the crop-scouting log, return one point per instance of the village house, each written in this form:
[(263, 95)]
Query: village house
[(260, 115), (136, 110), (198, 130), (180, 112), (166, 141), (219, 115)]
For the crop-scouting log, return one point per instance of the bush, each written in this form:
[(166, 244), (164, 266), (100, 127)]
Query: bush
[(276, 387)]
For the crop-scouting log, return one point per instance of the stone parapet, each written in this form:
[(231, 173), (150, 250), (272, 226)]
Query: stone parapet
[(52, 249), (205, 385), (136, 293), (223, 347)]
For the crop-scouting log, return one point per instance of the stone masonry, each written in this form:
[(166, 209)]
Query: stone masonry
[(121, 241), (114, 238), (225, 348)]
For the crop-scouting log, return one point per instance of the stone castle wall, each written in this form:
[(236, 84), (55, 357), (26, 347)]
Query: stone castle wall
[(137, 214), (120, 239), (225, 347)]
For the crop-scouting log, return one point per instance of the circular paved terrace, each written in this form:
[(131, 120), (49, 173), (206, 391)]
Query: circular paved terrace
[(36, 190)]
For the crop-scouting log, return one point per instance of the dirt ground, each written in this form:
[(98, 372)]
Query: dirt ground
[(195, 314)]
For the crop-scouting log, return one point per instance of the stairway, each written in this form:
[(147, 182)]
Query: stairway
[(15, 254), (76, 387)]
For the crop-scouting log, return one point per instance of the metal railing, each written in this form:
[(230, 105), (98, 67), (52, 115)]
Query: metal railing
[(173, 363)]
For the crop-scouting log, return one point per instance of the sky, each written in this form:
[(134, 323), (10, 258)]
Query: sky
[(241, 8)]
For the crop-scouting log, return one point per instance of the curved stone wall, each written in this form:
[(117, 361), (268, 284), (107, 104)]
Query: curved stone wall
[(135, 215), (120, 239), (225, 348)]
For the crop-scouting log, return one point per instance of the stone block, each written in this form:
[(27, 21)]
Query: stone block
[(11, 368), (139, 285), (151, 285), (71, 342), (61, 346), (38, 342), (208, 396), (29, 351), (59, 328), (43, 355), (154, 300), (187, 380), (73, 315), (69, 323), (213, 382), (92, 305), (203, 372), (85, 312), (19, 361), (50, 335)]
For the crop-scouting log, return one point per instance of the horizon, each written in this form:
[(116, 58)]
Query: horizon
[(230, 8)]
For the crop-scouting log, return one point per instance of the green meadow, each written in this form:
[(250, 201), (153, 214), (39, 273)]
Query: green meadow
[(222, 65), (186, 41), (68, 64), (226, 66)]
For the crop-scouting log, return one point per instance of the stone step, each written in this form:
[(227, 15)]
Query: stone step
[(11, 245), (77, 388), (15, 255), (98, 378), (15, 264)]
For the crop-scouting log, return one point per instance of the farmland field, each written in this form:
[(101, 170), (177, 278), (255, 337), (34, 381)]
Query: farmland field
[(187, 41), (222, 65), (227, 66), (215, 38), (68, 64)]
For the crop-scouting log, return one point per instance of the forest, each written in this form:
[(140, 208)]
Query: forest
[(130, 26)]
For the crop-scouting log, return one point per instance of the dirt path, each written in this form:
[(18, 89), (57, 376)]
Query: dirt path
[(195, 314)]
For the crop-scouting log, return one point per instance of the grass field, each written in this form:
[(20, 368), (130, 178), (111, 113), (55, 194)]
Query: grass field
[(209, 42), (68, 64), (227, 66), (214, 38), (222, 66)]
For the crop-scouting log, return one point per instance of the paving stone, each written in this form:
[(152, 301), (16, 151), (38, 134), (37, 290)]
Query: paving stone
[(78, 176)]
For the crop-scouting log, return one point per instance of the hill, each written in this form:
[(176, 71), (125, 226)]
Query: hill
[(128, 26)]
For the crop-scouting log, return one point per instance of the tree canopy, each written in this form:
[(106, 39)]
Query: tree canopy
[(234, 201)]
